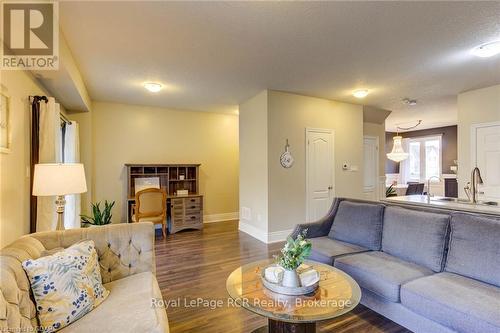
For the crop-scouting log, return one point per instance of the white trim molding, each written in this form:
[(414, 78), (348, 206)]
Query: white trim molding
[(278, 236), (264, 237), (253, 231), (221, 217)]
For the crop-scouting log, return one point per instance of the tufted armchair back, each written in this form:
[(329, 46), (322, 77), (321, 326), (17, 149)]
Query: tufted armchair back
[(123, 250)]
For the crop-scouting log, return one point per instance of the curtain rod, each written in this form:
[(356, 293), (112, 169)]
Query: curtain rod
[(64, 119)]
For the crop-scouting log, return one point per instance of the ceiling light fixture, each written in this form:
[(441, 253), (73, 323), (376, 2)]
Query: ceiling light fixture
[(411, 102), (398, 153), (360, 93), (487, 50), (153, 87)]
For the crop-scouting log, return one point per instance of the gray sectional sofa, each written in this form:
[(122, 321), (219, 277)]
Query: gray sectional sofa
[(426, 269)]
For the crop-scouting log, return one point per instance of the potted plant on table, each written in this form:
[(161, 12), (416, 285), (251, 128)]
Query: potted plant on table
[(98, 217), (292, 256)]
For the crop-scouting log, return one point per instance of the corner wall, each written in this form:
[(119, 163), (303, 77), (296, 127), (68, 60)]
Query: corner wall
[(277, 196), (289, 116), (254, 166)]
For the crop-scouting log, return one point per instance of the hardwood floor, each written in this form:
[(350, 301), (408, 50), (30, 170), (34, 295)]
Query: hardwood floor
[(195, 264)]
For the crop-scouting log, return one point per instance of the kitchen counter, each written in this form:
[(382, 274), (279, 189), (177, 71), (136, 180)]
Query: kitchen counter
[(422, 200)]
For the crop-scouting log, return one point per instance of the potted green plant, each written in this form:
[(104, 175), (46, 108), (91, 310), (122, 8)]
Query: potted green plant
[(390, 192), (98, 217), (292, 256)]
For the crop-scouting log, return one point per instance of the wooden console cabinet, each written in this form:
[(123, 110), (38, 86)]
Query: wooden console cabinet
[(183, 211), (186, 213)]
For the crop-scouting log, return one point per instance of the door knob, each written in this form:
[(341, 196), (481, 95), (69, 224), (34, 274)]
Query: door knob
[(330, 187)]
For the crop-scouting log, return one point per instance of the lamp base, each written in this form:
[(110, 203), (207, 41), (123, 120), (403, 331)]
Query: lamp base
[(60, 202)]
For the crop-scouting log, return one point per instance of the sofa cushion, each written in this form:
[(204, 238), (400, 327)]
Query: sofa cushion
[(462, 304), (66, 285), (415, 236), (128, 308), (17, 309), (325, 249), (474, 249), (380, 272), (358, 223)]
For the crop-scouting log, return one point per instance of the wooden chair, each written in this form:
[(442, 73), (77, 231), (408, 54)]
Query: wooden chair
[(151, 206)]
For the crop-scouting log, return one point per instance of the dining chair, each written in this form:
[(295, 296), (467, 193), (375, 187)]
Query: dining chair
[(151, 206), (415, 188)]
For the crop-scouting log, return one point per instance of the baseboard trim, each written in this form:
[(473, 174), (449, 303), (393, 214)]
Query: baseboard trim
[(221, 217), (264, 237), (278, 236), (253, 231)]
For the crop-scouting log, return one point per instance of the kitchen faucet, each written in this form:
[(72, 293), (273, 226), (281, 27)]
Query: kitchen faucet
[(429, 195), (475, 180)]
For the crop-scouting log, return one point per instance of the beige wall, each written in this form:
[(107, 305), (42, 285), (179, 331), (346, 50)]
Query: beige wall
[(138, 134), (14, 167), (474, 107), (253, 162), (289, 115), (377, 130)]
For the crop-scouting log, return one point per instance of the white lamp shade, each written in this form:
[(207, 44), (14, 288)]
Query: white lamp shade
[(59, 179), (397, 154)]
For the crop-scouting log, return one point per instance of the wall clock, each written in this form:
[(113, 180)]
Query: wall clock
[(286, 159)]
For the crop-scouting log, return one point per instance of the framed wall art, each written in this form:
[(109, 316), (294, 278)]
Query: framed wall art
[(4, 123)]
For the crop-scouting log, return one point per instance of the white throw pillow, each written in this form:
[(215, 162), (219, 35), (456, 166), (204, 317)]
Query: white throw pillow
[(66, 285)]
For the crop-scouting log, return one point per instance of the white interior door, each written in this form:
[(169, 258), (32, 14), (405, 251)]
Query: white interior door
[(319, 172), (370, 167), (487, 159)]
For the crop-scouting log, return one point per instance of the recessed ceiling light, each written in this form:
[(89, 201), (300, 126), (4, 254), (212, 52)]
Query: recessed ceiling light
[(360, 93), (487, 50), (153, 87)]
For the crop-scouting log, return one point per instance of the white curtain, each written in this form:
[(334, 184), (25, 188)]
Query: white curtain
[(72, 155), (404, 166), (50, 151)]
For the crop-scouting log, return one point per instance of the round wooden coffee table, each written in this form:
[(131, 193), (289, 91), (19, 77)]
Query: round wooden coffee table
[(337, 294)]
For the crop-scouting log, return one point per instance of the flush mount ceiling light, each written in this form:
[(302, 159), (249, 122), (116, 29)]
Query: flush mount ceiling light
[(487, 50), (153, 87), (360, 93), (411, 102), (398, 153)]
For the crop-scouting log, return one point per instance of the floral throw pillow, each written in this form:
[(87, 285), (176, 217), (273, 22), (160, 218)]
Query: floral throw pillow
[(66, 285)]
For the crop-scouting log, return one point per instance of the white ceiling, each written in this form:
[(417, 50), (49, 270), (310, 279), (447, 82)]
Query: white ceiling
[(213, 55)]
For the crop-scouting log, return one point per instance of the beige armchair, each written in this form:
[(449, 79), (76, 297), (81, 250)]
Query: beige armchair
[(127, 262), (151, 206)]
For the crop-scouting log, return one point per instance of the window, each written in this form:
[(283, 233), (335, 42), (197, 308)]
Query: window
[(424, 159)]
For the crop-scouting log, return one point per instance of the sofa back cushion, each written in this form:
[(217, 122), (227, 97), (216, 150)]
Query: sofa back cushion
[(17, 309), (474, 249), (358, 223), (415, 236)]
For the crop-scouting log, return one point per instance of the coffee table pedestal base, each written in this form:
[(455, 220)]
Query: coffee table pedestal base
[(275, 326)]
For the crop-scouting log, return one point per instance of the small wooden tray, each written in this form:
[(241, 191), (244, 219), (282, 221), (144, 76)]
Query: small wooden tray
[(280, 289)]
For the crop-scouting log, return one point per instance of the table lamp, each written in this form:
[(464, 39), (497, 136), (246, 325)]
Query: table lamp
[(53, 179)]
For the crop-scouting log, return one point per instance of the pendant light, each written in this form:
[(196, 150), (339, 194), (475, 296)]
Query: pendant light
[(398, 154)]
